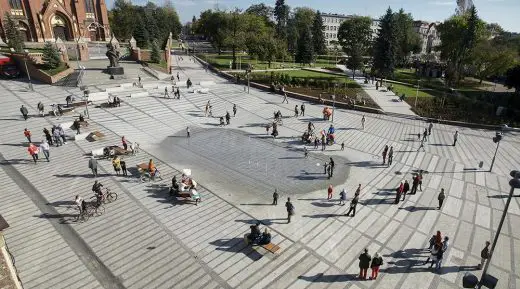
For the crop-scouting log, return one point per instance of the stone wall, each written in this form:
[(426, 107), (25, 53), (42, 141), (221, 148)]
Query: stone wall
[(36, 73)]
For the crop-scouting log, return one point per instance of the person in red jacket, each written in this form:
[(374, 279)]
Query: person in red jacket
[(33, 151), (27, 133)]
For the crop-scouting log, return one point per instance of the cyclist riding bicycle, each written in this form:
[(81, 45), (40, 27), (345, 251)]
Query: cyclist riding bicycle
[(96, 188)]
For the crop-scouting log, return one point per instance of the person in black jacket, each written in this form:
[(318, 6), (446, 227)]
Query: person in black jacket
[(353, 205), (406, 188), (376, 262), (364, 263)]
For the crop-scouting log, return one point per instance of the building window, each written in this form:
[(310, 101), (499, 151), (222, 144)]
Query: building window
[(16, 7), (89, 9)]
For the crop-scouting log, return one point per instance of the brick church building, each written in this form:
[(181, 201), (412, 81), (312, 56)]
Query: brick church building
[(45, 20)]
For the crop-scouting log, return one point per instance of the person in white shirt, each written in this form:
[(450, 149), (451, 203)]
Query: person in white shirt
[(44, 147), (81, 204)]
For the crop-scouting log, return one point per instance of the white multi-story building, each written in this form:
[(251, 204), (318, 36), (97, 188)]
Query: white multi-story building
[(429, 35), (331, 23)]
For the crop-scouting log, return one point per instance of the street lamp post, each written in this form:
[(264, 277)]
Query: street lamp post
[(515, 184), (85, 94), (26, 69), (333, 102), (496, 139)]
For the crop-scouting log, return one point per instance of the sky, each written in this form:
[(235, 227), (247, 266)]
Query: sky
[(504, 12)]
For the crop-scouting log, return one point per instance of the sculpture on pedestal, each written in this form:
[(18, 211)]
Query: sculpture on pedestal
[(113, 56)]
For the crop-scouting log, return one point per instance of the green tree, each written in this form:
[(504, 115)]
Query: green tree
[(305, 52), (51, 56), (155, 54), (459, 36), (262, 10), (213, 25), (491, 60), (513, 78), (354, 36), (407, 40), (318, 37), (385, 46), (12, 33), (140, 33), (122, 19), (281, 14)]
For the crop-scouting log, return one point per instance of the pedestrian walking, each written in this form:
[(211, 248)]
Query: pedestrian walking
[(228, 118), (484, 255), (332, 166), (419, 180), (77, 126), (27, 133), (399, 192), (125, 144), (430, 128), (330, 190), (290, 209), (363, 122), (415, 184), (178, 92), (342, 197), (206, 110), (275, 197), (353, 204), (358, 190), (385, 152), (455, 137), (139, 79), (25, 112), (364, 263), (325, 168), (302, 109), (41, 109), (267, 127), (92, 164), (123, 168), (323, 142), (438, 258), (48, 136), (116, 163), (406, 188), (390, 156), (419, 136), (421, 146), (188, 131), (433, 255), (234, 110), (296, 112), (285, 98), (166, 94), (425, 135), (56, 135), (178, 78), (441, 198), (343, 146), (316, 143), (33, 151), (305, 152), (44, 148), (377, 261), (62, 133), (377, 85)]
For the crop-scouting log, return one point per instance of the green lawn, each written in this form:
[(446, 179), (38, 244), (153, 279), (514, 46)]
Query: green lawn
[(410, 91), (312, 75)]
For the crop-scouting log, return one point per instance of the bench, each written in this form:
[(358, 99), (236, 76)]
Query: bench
[(115, 89), (139, 94), (98, 97), (127, 85), (207, 83), (271, 247)]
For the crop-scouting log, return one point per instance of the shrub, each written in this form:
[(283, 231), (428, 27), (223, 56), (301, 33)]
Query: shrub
[(51, 57)]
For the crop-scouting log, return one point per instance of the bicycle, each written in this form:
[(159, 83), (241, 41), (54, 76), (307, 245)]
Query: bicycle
[(278, 121), (94, 208), (109, 196), (145, 175), (83, 215)]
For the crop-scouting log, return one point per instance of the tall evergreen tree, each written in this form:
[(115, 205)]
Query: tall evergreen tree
[(385, 47), (140, 33), (318, 37), (281, 14), (305, 52), (122, 19), (51, 56), (12, 33), (155, 55)]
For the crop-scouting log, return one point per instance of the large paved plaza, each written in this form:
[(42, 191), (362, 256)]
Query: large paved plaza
[(147, 239)]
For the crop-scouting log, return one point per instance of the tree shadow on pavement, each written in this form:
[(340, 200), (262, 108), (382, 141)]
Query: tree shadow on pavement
[(322, 278), (318, 216), (16, 162), (237, 245), (387, 201), (265, 222), (364, 164), (24, 144)]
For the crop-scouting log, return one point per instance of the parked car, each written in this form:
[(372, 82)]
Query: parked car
[(8, 68)]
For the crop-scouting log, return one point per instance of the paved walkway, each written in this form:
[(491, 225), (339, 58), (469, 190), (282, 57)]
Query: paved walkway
[(387, 100), (146, 239)]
